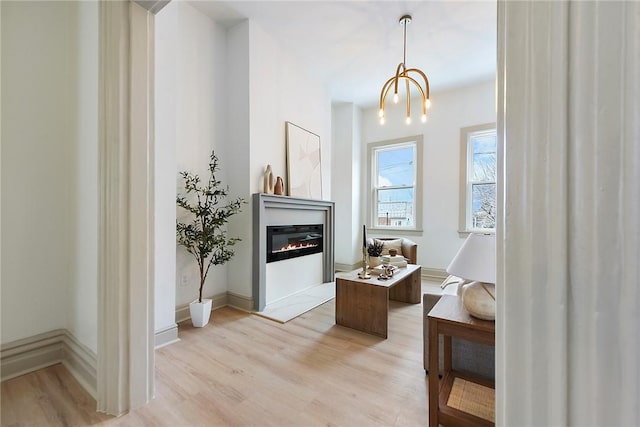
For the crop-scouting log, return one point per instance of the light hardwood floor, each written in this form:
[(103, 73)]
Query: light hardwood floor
[(245, 370)]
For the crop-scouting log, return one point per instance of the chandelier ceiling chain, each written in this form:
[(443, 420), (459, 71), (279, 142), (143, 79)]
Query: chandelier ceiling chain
[(404, 73)]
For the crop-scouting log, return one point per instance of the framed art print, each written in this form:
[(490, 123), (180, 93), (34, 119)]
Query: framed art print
[(304, 174)]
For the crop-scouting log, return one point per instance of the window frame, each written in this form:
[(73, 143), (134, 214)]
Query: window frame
[(466, 187), (372, 191)]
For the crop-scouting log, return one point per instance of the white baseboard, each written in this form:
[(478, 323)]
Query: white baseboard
[(81, 362), (166, 336), (49, 348), (240, 302), (347, 267), (29, 354), (434, 273), (218, 301)]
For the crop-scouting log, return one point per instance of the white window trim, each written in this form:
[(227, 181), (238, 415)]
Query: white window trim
[(465, 189), (371, 222)]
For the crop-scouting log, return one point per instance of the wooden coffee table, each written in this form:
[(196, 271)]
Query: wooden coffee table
[(363, 304)]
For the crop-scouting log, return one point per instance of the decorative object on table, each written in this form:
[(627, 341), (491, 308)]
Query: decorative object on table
[(204, 234), (393, 251), (381, 269), (404, 73), (279, 187), (387, 272), (374, 250), (304, 173), (364, 274), (475, 262), (397, 261), (268, 181), (389, 245)]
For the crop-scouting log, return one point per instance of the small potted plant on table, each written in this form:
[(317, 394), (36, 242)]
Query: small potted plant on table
[(374, 249), (205, 236)]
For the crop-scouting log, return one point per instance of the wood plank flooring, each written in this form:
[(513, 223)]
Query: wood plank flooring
[(245, 370)]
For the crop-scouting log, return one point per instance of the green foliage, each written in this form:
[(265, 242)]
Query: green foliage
[(375, 248), (205, 237)]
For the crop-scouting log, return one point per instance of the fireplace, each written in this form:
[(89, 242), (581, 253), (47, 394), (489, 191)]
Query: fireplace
[(276, 280), (292, 241)]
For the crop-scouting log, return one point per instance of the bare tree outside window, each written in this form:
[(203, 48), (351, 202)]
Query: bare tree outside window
[(478, 185), (483, 195)]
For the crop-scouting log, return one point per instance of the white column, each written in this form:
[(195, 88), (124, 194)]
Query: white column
[(604, 221), (125, 296), (568, 242)]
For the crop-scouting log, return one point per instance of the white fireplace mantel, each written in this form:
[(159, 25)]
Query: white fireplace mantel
[(270, 209)]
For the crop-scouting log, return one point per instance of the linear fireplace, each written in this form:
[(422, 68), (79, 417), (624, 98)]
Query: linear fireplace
[(277, 280), (292, 241)]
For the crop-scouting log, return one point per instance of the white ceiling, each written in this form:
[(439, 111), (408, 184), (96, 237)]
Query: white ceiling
[(355, 46)]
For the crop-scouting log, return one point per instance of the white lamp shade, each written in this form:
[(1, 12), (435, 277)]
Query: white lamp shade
[(476, 259)]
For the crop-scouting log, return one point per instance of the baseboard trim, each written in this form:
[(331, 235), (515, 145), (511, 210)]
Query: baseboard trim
[(166, 336), (49, 348), (218, 301), (240, 302), (32, 353), (81, 362), (347, 267), (434, 273)]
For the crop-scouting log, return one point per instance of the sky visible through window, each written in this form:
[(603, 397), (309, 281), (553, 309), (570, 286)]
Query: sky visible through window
[(395, 169)]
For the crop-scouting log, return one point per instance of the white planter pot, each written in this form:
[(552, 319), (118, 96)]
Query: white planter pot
[(374, 261), (200, 312)]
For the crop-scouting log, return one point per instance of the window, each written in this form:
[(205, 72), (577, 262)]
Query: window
[(395, 175), (478, 203)]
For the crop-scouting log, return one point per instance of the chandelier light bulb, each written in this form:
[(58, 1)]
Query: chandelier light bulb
[(381, 113), (423, 119), (382, 120), (427, 103), (408, 120), (396, 98)]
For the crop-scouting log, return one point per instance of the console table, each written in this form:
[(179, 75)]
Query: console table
[(449, 318), (363, 304)]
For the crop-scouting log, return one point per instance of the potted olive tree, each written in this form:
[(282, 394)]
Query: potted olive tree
[(204, 234)]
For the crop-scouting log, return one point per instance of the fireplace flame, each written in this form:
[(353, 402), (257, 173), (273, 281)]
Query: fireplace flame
[(294, 246)]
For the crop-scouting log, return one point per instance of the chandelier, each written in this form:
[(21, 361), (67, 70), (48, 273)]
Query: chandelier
[(405, 74)]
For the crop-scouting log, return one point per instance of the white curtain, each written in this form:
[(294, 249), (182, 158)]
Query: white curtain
[(568, 321)]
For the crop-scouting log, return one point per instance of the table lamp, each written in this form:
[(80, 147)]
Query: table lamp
[(475, 263)]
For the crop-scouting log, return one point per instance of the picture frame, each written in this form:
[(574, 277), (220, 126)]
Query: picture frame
[(304, 166)]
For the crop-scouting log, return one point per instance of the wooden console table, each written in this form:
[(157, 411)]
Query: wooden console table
[(363, 304), (449, 318)]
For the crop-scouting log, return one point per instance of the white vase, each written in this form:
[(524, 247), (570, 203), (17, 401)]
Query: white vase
[(200, 312), (374, 261)]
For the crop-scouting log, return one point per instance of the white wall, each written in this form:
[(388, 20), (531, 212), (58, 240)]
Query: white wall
[(280, 90), (83, 209), (165, 166), (237, 151), (450, 111), (49, 169), (346, 186), (192, 105), (231, 90)]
